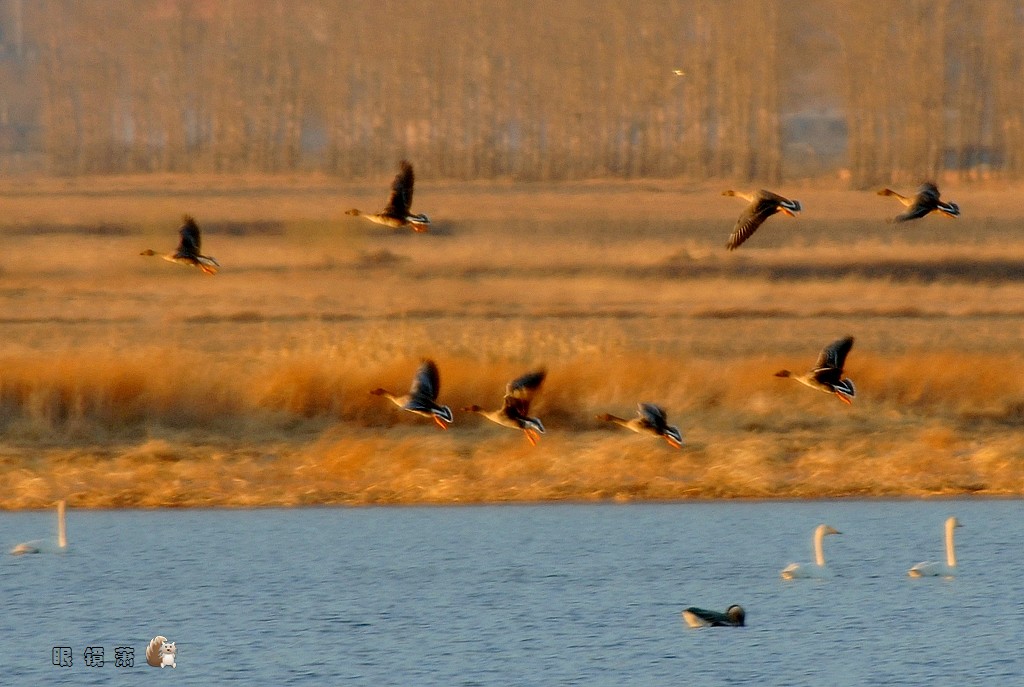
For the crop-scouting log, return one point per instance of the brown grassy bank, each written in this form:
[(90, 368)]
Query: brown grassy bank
[(127, 381)]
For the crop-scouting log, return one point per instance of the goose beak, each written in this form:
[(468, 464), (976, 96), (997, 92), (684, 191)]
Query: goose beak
[(439, 422), (789, 212), (672, 442), (844, 398), (531, 436)]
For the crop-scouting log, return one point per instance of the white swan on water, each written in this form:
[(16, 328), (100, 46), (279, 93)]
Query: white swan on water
[(937, 568), (39, 545), (816, 569)]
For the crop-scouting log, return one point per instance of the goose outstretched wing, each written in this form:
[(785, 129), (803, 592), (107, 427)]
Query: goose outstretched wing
[(401, 191), (427, 382), (764, 205), (190, 238), (833, 356), (925, 200), (653, 415), (521, 390)]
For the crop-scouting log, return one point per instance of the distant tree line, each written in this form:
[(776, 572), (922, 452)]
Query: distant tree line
[(529, 90)]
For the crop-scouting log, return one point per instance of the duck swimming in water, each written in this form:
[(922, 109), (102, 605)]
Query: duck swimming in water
[(827, 374), (650, 418), (924, 202), (734, 616), (422, 396), (397, 215), (762, 205), (515, 409), (188, 249)]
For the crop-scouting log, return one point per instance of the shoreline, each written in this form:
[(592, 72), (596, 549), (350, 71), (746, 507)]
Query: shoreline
[(566, 503)]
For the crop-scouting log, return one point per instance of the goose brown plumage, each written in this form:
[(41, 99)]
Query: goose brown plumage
[(924, 202), (422, 396), (396, 214), (827, 374), (762, 205), (515, 408), (650, 418), (188, 249)]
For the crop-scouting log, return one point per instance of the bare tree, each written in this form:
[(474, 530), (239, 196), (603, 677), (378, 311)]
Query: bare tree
[(527, 90)]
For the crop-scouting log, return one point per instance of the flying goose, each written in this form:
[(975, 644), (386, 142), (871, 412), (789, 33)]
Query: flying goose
[(763, 205), (827, 374), (515, 409), (422, 396), (649, 418), (396, 214), (188, 249), (925, 201)]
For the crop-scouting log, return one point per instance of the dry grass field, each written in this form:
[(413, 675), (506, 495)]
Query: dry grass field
[(130, 381)]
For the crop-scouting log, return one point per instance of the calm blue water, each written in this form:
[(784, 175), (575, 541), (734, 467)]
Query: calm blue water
[(519, 595)]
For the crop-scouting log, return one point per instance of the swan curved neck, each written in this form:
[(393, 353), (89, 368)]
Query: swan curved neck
[(819, 549), (62, 530), (950, 551)]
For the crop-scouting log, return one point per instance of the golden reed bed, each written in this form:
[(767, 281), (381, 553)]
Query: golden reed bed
[(126, 381)]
